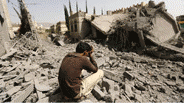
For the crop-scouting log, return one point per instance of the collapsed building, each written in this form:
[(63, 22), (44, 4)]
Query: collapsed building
[(134, 28)]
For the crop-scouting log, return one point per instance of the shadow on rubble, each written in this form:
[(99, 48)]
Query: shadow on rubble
[(57, 96)]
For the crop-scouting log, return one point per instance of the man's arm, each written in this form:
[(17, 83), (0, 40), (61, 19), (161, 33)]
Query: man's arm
[(90, 65), (93, 61)]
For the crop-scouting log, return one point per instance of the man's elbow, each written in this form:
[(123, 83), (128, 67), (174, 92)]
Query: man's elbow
[(95, 70)]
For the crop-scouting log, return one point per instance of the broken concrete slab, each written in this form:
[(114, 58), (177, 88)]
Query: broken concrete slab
[(112, 76), (128, 75), (8, 54), (170, 83), (181, 88), (3, 51), (24, 94), (41, 87), (140, 86), (13, 90), (100, 61), (129, 91), (29, 76), (40, 95), (108, 84), (46, 99), (97, 92), (103, 23)]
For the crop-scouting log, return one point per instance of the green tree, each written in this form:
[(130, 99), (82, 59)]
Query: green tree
[(66, 17)]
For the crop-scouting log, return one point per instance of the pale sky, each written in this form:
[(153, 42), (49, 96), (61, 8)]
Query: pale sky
[(52, 10)]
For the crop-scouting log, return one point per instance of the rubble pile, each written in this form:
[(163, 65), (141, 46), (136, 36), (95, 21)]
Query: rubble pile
[(145, 27), (30, 75)]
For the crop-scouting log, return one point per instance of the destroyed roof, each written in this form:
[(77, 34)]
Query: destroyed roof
[(164, 27), (103, 23)]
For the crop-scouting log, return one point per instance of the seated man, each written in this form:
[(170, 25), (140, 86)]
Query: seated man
[(71, 84)]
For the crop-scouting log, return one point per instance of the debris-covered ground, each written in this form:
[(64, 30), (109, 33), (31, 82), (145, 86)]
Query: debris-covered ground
[(28, 73)]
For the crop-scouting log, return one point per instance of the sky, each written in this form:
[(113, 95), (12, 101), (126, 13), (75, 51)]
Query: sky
[(52, 11)]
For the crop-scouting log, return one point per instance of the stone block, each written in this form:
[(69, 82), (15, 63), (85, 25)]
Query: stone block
[(170, 83), (128, 91), (98, 93), (24, 94), (29, 77), (140, 86), (128, 75), (181, 88), (129, 68), (13, 90)]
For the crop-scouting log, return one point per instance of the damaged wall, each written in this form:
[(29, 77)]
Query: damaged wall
[(6, 30)]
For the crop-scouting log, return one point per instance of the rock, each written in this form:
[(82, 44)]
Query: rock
[(140, 86), (129, 68), (8, 54), (112, 57), (118, 53), (170, 83), (100, 61), (98, 55), (40, 95), (154, 66), (111, 62), (61, 43), (181, 88), (24, 94), (113, 76), (108, 98), (41, 87), (162, 89), (46, 65), (5, 63), (108, 84), (106, 59), (138, 98), (181, 77), (128, 75), (13, 90), (98, 93), (86, 101), (116, 88), (128, 91), (172, 76), (116, 64), (44, 100), (28, 77)]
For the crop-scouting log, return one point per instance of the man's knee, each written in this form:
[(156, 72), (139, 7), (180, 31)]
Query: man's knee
[(101, 73)]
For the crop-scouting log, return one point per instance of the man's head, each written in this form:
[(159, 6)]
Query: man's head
[(84, 48)]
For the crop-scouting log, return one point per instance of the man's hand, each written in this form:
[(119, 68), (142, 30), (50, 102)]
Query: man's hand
[(90, 52)]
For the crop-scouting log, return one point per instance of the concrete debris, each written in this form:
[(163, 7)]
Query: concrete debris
[(97, 92), (8, 54), (149, 24), (126, 79), (41, 87), (13, 90), (128, 75), (29, 71), (24, 94), (129, 91)]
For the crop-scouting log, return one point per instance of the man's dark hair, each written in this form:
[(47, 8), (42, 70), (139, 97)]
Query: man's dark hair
[(82, 46)]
